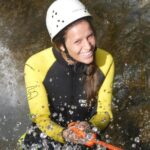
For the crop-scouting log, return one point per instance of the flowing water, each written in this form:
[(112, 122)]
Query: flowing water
[(123, 28)]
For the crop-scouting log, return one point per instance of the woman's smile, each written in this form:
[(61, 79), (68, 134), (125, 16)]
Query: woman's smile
[(86, 55)]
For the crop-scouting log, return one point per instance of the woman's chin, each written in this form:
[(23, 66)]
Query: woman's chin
[(87, 60)]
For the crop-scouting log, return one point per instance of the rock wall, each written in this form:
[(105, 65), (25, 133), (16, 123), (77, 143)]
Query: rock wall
[(122, 27)]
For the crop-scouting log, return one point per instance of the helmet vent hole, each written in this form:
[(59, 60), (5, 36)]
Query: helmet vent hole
[(62, 21)]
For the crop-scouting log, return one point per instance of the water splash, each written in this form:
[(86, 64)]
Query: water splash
[(9, 77)]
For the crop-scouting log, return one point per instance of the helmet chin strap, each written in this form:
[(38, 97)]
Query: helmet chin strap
[(67, 54)]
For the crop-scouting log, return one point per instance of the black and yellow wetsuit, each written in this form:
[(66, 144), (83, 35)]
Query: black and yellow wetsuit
[(56, 95)]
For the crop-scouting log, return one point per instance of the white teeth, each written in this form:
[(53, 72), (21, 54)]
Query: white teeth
[(87, 53)]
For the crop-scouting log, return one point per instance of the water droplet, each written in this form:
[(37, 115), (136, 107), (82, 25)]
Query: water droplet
[(62, 108), (133, 145), (83, 105), (43, 135), (34, 134), (73, 107), (18, 124), (35, 146), (80, 79), (50, 127), (4, 139), (126, 64), (54, 114), (68, 73), (95, 129), (71, 112), (106, 136), (83, 102), (65, 104), (50, 80), (137, 139), (31, 116), (53, 99), (130, 97)]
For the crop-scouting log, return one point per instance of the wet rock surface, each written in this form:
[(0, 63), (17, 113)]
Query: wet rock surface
[(122, 28)]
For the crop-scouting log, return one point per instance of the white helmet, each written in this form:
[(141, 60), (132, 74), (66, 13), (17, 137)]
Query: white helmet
[(62, 13)]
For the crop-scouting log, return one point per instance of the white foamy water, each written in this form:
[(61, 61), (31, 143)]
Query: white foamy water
[(9, 76)]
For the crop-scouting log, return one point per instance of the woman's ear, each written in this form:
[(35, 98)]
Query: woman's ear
[(62, 48)]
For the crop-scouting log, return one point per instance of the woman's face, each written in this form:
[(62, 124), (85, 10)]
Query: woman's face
[(80, 42)]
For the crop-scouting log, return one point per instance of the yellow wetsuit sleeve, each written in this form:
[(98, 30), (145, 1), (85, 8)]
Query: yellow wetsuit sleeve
[(104, 112), (38, 102)]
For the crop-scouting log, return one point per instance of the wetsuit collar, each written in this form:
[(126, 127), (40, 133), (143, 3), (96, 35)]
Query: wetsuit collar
[(77, 67), (59, 57)]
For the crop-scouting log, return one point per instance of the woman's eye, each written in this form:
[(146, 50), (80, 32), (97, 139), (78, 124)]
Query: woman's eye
[(91, 35), (78, 42)]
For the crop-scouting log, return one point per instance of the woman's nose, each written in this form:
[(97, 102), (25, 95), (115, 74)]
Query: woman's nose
[(87, 45)]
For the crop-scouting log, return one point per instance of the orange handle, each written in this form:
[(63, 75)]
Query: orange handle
[(109, 146), (93, 140), (78, 132)]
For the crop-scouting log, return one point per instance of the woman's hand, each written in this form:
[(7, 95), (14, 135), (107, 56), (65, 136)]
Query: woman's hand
[(71, 136)]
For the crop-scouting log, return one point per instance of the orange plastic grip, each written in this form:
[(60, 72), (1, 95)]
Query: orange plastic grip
[(78, 132), (93, 139), (109, 146)]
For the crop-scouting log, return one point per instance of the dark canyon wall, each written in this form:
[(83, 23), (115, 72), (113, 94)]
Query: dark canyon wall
[(123, 28)]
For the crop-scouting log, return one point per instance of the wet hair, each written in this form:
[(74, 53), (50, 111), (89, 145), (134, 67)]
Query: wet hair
[(92, 81)]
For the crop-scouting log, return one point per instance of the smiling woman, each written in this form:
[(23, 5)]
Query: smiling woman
[(69, 82), (80, 41)]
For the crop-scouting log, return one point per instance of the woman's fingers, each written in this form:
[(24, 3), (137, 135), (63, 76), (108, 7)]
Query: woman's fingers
[(72, 133)]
